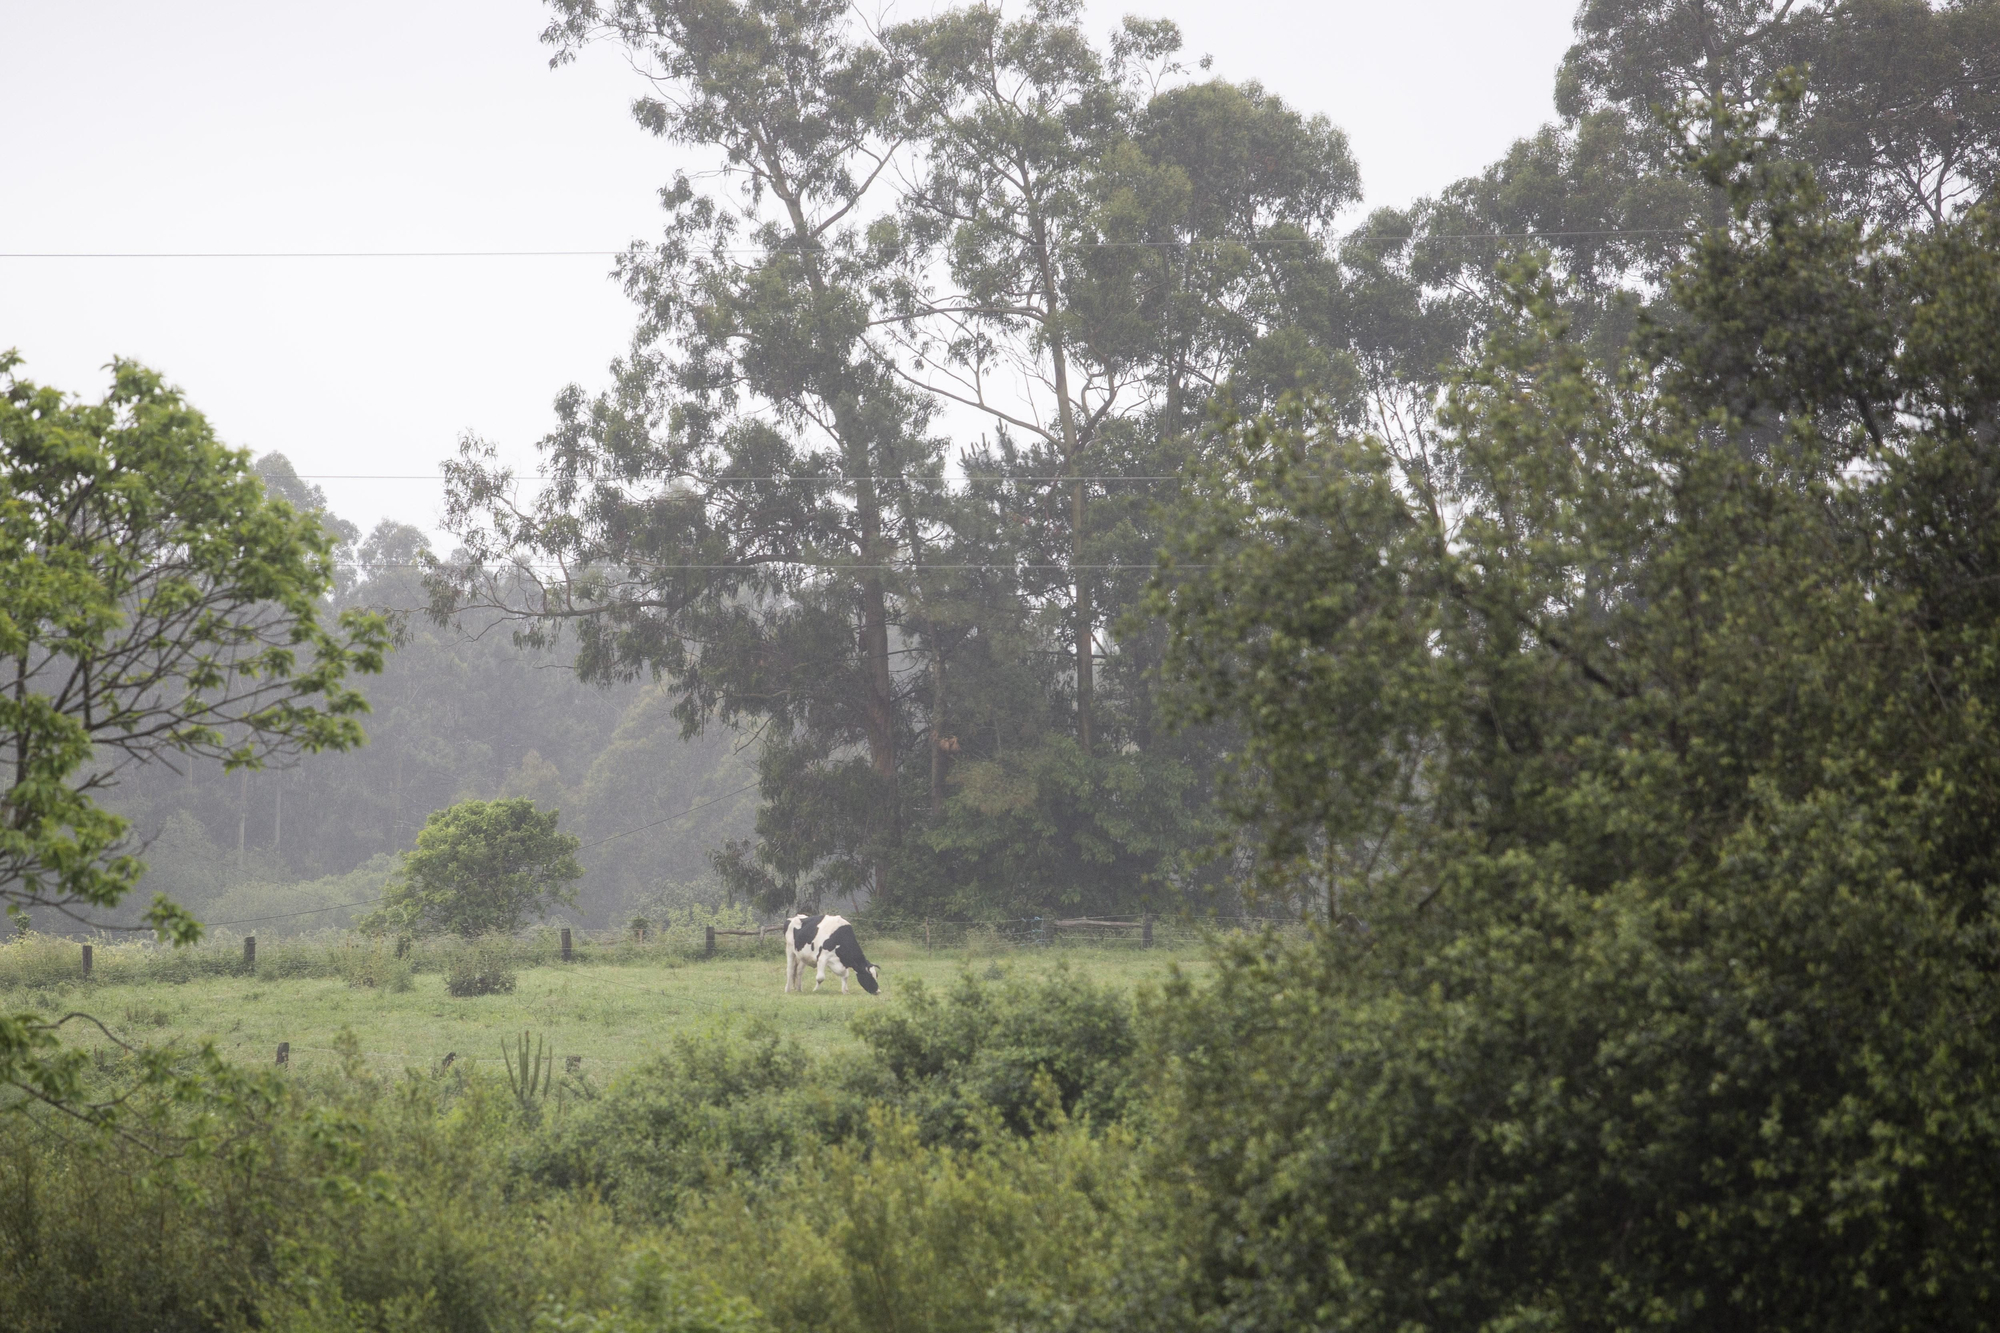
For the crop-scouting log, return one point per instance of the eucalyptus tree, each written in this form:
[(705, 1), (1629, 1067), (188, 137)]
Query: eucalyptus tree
[(1093, 250), (721, 515), (1901, 118), (1900, 121), (1017, 118)]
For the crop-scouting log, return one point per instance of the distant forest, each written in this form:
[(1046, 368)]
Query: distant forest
[(459, 713)]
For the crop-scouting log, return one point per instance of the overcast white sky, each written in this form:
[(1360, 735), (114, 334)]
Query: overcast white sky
[(227, 125)]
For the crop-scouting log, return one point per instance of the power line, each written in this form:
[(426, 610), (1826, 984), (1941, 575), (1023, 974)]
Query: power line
[(307, 254), (307, 911), (1330, 243), (670, 818), (991, 567), (801, 478)]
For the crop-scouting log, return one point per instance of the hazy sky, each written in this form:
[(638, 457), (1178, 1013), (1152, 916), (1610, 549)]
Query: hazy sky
[(224, 125)]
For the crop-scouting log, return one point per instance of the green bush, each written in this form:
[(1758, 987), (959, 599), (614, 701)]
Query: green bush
[(1059, 1231), (729, 1107), (980, 1047), (373, 964), (485, 968), (344, 1204)]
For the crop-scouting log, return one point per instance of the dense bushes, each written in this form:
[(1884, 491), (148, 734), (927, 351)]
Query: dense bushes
[(982, 1047), (483, 969), (719, 1108), (344, 1205), (733, 1176)]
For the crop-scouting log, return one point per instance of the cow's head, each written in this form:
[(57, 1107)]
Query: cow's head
[(870, 978)]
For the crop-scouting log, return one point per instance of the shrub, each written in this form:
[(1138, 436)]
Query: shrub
[(730, 1106), (483, 969), (340, 1206), (1055, 1232), (373, 965), (981, 1046)]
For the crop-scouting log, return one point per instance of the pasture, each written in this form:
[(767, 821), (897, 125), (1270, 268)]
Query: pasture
[(611, 1007)]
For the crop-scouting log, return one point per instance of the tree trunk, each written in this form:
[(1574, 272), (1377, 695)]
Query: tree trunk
[(1085, 624), (1073, 460), (937, 737), (853, 435)]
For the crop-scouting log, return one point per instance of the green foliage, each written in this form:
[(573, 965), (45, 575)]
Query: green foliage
[(1637, 756), (1073, 211), (481, 866), (486, 968), (1043, 1233), (737, 1107), (375, 963), (351, 1204), (156, 604), (1011, 1050), (529, 1076)]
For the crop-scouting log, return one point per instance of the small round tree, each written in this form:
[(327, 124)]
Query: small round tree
[(479, 867)]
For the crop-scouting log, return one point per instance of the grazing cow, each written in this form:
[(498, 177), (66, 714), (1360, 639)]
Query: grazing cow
[(825, 941)]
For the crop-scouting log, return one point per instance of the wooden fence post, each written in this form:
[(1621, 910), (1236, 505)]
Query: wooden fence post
[(249, 953), (86, 962), (565, 944), (1146, 932), (708, 948), (284, 1052)]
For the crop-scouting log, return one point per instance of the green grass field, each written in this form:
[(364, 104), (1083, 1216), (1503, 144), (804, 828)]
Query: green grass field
[(611, 1014)]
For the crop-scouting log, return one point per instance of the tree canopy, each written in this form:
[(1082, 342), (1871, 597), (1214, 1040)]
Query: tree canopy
[(1640, 745), (156, 605), (1064, 253), (481, 867)]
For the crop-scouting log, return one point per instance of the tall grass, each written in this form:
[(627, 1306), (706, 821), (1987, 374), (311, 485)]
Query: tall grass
[(731, 1186)]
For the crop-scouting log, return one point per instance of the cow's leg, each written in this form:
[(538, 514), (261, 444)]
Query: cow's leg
[(791, 970)]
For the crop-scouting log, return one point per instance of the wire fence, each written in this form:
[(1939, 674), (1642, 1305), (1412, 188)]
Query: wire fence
[(42, 961)]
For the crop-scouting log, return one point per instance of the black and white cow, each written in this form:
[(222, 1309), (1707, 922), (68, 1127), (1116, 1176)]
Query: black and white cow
[(826, 942)]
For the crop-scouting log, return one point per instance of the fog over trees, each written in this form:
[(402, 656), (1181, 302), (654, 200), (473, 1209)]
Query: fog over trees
[(922, 365)]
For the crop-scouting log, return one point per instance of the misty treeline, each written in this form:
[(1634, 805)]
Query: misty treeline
[(458, 713), (953, 307), (926, 355)]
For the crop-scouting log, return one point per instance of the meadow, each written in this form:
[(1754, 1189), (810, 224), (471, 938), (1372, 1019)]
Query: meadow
[(614, 1006)]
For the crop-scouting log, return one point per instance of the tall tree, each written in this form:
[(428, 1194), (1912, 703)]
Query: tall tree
[(1017, 119), (721, 516), (1650, 773), (156, 606)]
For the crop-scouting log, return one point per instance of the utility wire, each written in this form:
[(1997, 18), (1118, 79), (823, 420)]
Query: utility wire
[(760, 565), (802, 478), (656, 823), (608, 254)]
